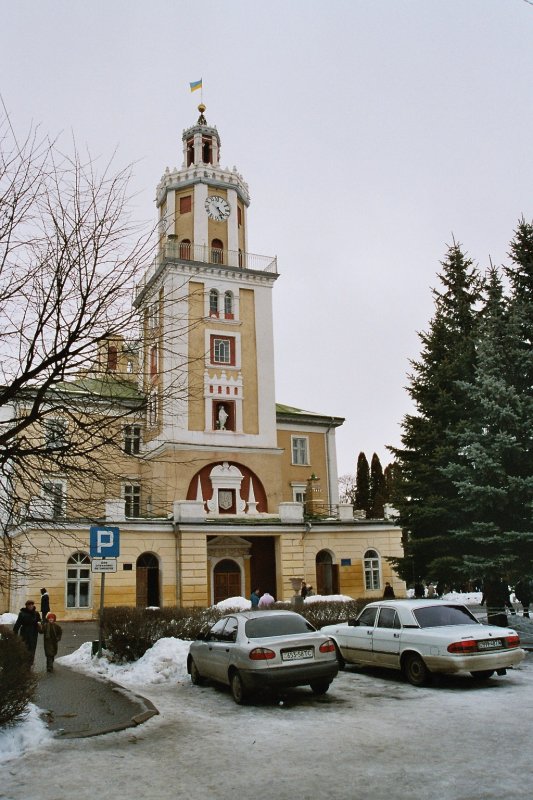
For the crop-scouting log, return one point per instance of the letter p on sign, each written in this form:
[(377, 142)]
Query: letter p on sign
[(104, 542)]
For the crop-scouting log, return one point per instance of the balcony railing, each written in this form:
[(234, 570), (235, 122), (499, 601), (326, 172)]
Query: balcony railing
[(205, 254), (186, 252)]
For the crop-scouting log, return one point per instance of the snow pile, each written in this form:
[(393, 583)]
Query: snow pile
[(165, 662), (328, 598), (232, 603), (24, 735), (8, 619)]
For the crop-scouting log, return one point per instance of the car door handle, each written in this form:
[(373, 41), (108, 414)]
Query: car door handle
[(369, 633), (396, 635)]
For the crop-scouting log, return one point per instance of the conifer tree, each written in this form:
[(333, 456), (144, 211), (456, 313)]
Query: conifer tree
[(492, 469), (377, 488), (428, 502), (362, 484)]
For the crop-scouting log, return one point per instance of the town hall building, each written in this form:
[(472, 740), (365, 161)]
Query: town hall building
[(218, 489)]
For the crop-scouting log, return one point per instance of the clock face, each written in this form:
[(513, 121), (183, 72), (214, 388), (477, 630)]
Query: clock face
[(217, 208)]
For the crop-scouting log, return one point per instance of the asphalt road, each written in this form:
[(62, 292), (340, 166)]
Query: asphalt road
[(78, 705)]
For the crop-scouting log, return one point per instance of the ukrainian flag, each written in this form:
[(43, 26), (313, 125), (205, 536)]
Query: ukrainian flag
[(195, 85)]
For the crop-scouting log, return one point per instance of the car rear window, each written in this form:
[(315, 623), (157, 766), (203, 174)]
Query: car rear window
[(440, 615), (276, 625)]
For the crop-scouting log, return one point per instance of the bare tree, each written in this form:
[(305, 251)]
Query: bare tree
[(70, 256)]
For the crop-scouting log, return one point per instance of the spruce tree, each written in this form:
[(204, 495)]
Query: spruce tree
[(428, 502), (362, 484), (377, 489), (492, 470)]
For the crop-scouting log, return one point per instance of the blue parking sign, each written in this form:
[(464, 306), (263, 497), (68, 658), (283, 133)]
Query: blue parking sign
[(104, 542)]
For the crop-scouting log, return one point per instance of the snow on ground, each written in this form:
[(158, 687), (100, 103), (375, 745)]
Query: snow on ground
[(164, 663), (24, 736)]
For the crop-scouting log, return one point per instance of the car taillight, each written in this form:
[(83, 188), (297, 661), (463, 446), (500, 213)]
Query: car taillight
[(261, 654), (464, 646), (327, 647), (512, 641)]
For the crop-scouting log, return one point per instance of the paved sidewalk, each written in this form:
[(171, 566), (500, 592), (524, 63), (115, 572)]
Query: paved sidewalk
[(79, 705)]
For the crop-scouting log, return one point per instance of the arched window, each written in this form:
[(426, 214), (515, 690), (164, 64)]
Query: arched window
[(213, 303), (372, 570), (78, 583), (217, 251), (228, 305), (185, 249)]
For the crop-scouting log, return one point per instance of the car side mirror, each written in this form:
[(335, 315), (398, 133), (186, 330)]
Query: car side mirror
[(202, 637), (353, 622)]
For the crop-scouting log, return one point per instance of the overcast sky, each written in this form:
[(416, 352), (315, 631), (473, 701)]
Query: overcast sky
[(370, 132)]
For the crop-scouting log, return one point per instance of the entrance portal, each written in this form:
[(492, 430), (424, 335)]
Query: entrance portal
[(227, 580), (147, 580)]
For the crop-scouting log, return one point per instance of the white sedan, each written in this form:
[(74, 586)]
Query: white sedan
[(420, 637)]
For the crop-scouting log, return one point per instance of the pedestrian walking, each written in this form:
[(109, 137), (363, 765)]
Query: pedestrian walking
[(45, 604), (419, 589), (523, 593), (266, 600), (27, 626), (52, 633), (388, 592), (303, 590), (255, 597)]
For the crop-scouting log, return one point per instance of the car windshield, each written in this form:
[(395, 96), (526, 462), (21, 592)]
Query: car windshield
[(439, 615), (276, 625)]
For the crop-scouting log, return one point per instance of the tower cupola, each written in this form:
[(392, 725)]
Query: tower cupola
[(201, 143)]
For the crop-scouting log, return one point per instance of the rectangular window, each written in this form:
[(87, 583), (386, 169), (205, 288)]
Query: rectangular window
[(239, 216), (54, 495), (132, 500), (223, 350), (153, 316), (185, 204), (153, 360), (55, 432), (300, 450), (152, 408), (298, 493), (132, 439)]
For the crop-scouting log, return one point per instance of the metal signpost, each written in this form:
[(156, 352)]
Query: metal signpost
[(104, 551)]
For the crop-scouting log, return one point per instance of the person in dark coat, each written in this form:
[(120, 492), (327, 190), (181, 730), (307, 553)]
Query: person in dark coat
[(419, 589), (303, 590), (52, 633), (45, 604), (28, 623), (388, 592)]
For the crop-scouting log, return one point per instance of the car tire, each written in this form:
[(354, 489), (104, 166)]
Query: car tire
[(340, 659), (319, 687), (482, 674), (415, 670), (238, 692), (196, 678)]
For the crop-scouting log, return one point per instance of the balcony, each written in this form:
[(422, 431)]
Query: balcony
[(189, 254)]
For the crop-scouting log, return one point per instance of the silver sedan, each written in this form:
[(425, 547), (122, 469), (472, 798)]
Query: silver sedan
[(420, 637), (252, 650)]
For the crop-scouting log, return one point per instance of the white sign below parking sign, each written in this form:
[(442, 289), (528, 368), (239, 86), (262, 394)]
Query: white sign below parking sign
[(104, 565)]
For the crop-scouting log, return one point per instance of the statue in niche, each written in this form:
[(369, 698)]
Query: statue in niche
[(222, 418)]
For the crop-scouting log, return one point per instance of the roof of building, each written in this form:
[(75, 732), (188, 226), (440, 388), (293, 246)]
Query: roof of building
[(298, 415)]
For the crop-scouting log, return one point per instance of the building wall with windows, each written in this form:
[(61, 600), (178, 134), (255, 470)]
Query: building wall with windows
[(214, 487)]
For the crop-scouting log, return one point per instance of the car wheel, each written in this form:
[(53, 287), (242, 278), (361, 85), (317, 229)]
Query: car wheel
[(415, 670), (319, 687), (238, 692), (482, 675), (340, 659), (196, 678)]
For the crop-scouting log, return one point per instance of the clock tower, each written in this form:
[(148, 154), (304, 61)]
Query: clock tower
[(206, 304)]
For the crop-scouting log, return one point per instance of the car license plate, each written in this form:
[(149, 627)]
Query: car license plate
[(294, 655), (489, 644)]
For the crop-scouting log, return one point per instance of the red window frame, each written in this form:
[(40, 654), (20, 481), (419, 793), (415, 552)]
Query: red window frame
[(212, 346)]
